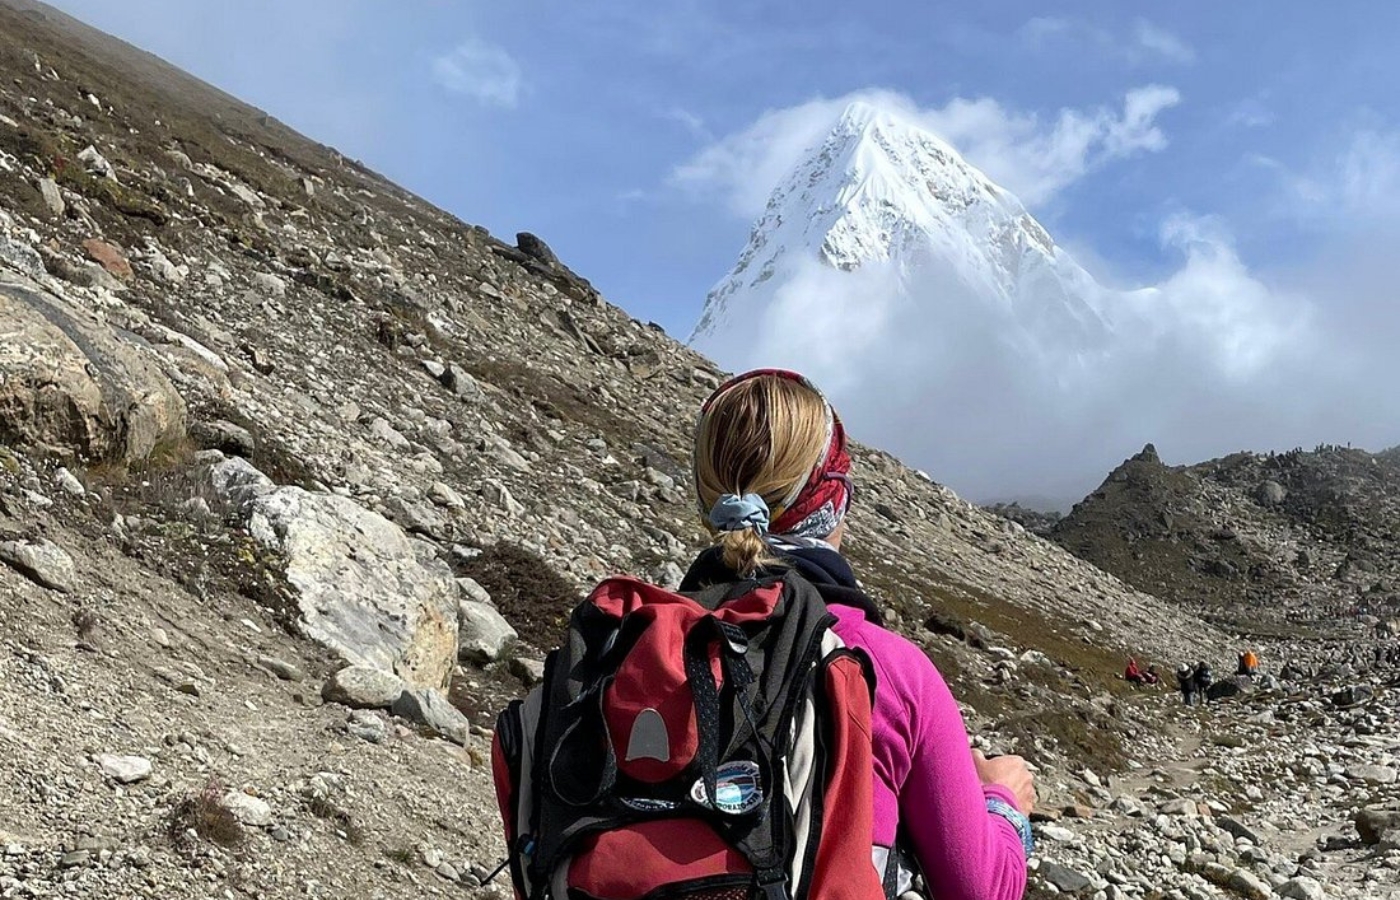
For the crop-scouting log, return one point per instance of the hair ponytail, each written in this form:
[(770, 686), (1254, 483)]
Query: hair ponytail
[(745, 552)]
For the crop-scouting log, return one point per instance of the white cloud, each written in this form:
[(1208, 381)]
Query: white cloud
[(1148, 43), (1157, 40), (1030, 156), (1250, 113), (481, 71), (1368, 174), (690, 122), (1354, 185)]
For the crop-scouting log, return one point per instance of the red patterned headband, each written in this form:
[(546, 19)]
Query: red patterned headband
[(815, 507)]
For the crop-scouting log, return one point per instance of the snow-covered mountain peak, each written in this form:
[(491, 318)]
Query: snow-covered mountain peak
[(881, 189)]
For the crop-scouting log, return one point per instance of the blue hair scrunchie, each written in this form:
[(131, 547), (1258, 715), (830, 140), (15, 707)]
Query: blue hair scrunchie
[(734, 513)]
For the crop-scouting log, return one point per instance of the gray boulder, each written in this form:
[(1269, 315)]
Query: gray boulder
[(531, 245), (45, 563), (72, 385), (483, 634), (431, 708), (1373, 775), (1270, 493), (362, 687), (1230, 687), (1352, 695), (1376, 823), (1065, 879), (1302, 888), (364, 588)]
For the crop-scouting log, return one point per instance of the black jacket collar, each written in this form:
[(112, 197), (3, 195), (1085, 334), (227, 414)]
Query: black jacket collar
[(826, 569)]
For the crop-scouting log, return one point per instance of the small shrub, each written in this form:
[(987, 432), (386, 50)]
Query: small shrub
[(404, 856), (322, 808), (205, 814), (86, 622)]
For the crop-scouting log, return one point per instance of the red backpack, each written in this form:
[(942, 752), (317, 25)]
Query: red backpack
[(713, 746)]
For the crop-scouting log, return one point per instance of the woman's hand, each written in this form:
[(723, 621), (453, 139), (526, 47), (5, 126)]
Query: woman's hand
[(1011, 773)]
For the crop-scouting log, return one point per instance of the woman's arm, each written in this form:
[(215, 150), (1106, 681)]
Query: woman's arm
[(966, 852)]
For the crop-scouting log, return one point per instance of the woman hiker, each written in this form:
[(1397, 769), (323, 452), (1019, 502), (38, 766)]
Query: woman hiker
[(772, 476)]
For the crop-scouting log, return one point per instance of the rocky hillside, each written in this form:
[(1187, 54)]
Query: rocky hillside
[(299, 477), (1265, 543)]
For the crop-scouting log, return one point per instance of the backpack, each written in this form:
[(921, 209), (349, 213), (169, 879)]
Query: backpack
[(688, 746)]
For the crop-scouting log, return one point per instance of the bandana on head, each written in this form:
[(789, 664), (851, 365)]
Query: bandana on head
[(815, 507)]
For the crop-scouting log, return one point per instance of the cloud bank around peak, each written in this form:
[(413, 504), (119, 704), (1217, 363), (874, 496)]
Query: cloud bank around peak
[(1002, 406), (1003, 401), (1030, 155)]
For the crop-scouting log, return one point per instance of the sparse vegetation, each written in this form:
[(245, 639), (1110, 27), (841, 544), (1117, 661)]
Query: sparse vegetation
[(528, 592), (85, 623), (203, 814), (342, 821)]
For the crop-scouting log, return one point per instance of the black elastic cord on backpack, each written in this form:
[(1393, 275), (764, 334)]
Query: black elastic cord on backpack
[(706, 694), (576, 752)]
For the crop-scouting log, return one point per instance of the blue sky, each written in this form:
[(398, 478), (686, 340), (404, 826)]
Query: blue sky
[(585, 122)]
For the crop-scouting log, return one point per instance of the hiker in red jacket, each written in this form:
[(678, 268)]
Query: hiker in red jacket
[(773, 481)]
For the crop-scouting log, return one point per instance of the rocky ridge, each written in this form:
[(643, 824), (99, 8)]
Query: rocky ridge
[(1264, 543), (346, 378)]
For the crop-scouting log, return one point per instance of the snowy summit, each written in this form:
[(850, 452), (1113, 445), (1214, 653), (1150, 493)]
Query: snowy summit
[(880, 189)]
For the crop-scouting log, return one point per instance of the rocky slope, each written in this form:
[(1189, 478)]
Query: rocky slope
[(264, 415), (1267, 543)]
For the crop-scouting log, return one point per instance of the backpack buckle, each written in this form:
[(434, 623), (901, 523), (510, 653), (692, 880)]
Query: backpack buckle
[(773, 883)]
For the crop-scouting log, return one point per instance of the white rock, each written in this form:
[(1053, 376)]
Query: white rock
[(95, 163), (500, 496), (69, 483), (45, 563), (483, 634), (363, 586), (472, 590), (53, 198), (443, 495), (251, 811), (270, 284), (124, 769), (363, 687), (1181, 807)]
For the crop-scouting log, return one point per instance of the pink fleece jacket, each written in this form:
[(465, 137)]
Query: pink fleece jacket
[(924, 774)]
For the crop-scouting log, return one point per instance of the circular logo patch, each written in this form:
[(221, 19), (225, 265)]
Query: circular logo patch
[(738, 788)]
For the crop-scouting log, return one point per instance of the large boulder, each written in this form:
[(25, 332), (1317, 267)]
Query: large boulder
[(43, 562), (364, 588), (1377, 824), (72, 385)]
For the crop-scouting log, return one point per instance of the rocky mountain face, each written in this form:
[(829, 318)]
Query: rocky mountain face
[(299, 477), (1268, 543)]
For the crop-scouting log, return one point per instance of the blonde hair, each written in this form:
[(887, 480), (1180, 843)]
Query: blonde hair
[(762, 436)]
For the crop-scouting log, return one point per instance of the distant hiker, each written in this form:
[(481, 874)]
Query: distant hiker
[(1186, 681), (1203, 680), (1248, 664), (1133, 674), (676, 680)]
